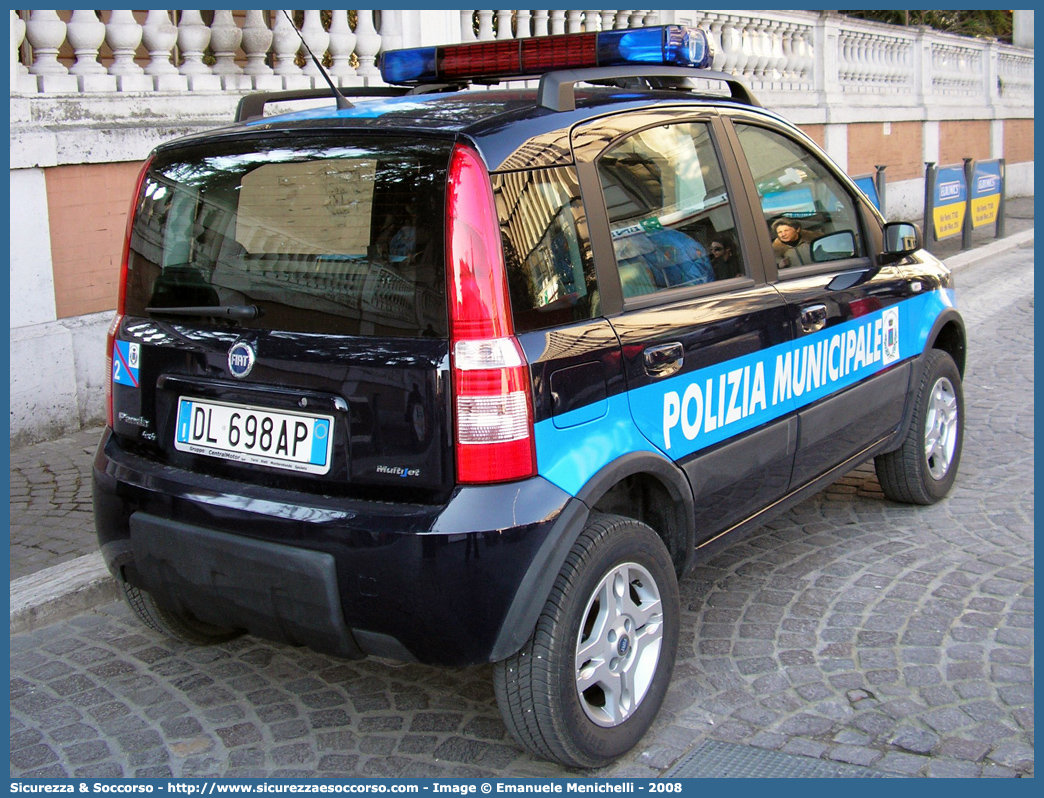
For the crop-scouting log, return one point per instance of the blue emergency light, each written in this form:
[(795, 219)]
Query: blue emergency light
[(665, 45)]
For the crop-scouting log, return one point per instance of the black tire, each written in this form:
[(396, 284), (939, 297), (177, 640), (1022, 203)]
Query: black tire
[(180, 626), (912, 474), (538, 688)]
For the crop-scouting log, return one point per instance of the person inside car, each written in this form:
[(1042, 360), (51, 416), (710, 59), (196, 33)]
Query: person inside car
[(723, 257), (791, 243)]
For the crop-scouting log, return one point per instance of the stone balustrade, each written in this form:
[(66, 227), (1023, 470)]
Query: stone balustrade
[(794, 58)]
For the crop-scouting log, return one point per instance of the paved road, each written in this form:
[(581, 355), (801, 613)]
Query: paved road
[(850, 630)]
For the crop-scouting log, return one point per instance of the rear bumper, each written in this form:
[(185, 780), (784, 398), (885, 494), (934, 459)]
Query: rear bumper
[(454, 584)]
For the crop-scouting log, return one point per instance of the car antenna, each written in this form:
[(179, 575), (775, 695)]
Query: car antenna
[(342, 101)]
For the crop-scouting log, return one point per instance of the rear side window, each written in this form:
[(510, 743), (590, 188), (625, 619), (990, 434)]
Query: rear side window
[(339, 236), (669, 211), (546, 248)]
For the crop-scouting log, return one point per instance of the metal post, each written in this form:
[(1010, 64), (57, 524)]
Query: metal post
[(879, 180), (1000, 207), (966, 227), (929, 204)]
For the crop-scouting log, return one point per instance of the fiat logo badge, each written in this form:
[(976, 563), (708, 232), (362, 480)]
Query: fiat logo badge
[(240, 359)]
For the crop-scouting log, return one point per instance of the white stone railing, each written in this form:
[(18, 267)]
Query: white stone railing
[(254, 50), (803, 56), (76, 51), (769, 52), (875, 62), (1015, 73), (956, 69), (520, 24)]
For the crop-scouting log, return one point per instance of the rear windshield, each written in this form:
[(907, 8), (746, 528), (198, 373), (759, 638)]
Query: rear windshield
[(321, 235)]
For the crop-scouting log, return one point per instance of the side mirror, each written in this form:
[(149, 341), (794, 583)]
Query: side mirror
[(836, 246), (900, 239)]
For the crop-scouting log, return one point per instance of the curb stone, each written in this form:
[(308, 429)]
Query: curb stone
[(60, 592), (974, 257)]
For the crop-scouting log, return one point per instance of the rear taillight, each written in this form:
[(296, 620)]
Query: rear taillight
[(493, 416), (110, 342), (121, 296)]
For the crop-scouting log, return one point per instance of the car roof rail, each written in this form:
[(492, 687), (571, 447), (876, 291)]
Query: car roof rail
[(557, 90)]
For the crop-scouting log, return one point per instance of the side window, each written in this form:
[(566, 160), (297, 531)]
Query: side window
[(810, 216), (669, 212), (543, 229)]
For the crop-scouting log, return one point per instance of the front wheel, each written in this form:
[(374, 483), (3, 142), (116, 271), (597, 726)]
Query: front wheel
[(923, 469), (588, 683)]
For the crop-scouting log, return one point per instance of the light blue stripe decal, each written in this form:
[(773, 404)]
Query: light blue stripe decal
[(569, 457), (682, 415), (918, 315)]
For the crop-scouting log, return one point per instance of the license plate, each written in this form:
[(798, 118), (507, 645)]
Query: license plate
[(244, 434)]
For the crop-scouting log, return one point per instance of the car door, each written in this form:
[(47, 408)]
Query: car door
[(844, 374), (694, 332)]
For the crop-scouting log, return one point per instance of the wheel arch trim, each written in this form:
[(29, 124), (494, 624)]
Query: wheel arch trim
[(536, 586), (957, 348), (669, 475)]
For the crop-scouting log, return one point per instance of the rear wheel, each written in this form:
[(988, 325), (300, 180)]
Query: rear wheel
[(588, 683), (923, 469), (180, 626)]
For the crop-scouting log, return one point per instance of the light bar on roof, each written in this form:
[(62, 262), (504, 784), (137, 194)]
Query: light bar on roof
[(665, 45)]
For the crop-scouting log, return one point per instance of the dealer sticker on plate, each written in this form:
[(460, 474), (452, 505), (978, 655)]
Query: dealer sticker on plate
[(278, 439)]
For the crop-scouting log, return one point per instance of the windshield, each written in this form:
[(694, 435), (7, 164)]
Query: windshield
[(328, 235)]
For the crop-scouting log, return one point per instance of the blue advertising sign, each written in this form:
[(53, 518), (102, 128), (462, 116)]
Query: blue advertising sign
[(949, 201), (868, 186), (986, 193)]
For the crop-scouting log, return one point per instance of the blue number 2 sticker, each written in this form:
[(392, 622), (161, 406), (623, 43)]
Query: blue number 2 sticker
[(125, 358)]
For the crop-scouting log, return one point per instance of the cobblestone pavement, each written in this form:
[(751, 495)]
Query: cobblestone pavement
[(850, 629), (51, 516)]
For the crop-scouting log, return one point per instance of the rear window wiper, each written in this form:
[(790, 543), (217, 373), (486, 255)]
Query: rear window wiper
[(243, 312)]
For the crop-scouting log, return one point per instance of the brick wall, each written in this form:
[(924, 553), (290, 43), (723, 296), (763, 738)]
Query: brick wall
[(1018, 140), (897, 145), (816, 133), (87, 206), (965, 139)]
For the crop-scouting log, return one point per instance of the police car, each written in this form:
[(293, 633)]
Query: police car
[(460, 376)]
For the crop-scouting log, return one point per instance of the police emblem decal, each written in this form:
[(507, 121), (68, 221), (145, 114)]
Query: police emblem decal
[(890, 330)]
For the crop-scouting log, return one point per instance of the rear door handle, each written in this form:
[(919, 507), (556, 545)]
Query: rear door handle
[(664, 360), (813, 318)]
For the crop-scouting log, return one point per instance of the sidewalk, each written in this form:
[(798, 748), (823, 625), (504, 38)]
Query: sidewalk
[(56, 570)]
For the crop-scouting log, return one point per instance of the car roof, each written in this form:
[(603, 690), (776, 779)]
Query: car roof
[(498, 121)]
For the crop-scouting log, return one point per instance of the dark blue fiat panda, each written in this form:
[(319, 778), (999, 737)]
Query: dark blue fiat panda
[(460, 376)]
